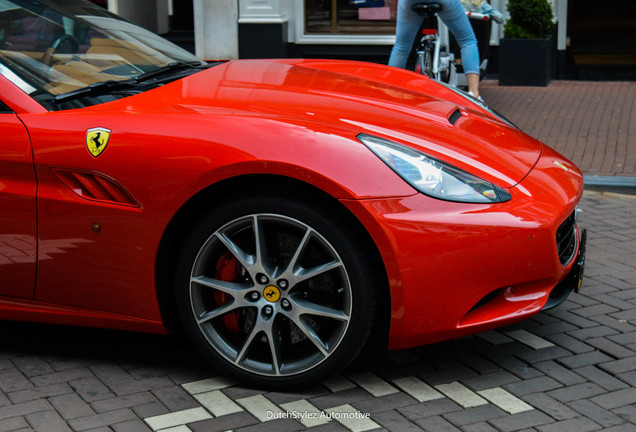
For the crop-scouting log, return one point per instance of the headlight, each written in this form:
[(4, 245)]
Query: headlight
[(433, 177)]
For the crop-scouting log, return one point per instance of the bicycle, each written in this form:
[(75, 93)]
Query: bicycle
[(434, 57)]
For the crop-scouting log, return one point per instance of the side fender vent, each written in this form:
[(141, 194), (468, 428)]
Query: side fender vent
[(95, 187)]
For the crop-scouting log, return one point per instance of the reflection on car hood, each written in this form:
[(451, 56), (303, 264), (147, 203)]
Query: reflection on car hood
[(360, 97)]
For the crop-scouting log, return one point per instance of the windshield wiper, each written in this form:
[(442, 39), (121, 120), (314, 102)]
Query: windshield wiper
[(170, 70), (135, 84), (129, 86)]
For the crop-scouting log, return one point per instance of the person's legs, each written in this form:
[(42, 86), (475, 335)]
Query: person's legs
[(408, 22), (453, 15), (455, 18), (473, 84)]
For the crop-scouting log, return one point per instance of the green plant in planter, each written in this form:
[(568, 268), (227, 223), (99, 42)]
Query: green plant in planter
[(529, 19)]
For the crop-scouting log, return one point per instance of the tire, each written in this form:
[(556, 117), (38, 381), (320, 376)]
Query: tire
[(444, 73), (274, 292), (428, 61)]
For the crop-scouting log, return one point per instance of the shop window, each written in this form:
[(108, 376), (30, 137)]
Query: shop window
[(350, 17)]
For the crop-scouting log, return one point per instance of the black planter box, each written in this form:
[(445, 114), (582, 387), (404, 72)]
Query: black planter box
[(526, 62)]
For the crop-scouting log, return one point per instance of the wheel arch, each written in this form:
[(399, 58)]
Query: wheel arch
[(245, 185)]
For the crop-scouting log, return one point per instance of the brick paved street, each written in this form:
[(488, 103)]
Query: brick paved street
[(569, 369), (591, 123)]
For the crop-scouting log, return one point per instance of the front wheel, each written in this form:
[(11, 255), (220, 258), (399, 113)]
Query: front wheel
[(274, 292)]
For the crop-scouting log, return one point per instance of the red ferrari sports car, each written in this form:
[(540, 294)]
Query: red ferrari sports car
[(282, 213)]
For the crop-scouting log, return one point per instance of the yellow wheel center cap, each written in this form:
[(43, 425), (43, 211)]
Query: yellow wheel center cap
[(271, 294)]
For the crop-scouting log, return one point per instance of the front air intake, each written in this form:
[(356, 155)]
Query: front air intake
[(566, 239)]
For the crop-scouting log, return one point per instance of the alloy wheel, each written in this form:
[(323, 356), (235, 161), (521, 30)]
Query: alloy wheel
[(270, 295)]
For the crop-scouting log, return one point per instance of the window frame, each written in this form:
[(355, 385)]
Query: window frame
[(336, 38)]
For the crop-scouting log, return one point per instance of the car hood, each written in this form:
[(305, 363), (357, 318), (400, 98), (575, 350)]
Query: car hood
[(358, 97)]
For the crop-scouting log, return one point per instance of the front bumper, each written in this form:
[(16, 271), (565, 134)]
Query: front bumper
[(456, 269)]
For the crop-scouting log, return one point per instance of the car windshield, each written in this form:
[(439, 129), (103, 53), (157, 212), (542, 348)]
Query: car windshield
[(53, 49)]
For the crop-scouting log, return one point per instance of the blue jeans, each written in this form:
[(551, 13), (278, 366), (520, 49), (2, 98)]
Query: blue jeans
[(453, 15)]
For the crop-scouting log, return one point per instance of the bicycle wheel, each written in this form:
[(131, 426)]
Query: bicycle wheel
[(444, 67), (428, 60), (424, 60)]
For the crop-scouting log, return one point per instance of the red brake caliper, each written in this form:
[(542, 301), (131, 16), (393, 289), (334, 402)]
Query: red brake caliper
[(227, 270)]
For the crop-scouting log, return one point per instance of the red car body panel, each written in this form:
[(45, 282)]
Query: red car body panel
[(18, 228), (467, 251), (295, 119)]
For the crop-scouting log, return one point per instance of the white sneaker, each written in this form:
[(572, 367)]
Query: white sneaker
[(473, 95)]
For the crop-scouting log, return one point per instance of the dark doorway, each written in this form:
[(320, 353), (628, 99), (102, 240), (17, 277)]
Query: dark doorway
[(601, 40), (182, 24)]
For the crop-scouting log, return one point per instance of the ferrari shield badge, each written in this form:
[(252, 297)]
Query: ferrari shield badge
[(97, 140)]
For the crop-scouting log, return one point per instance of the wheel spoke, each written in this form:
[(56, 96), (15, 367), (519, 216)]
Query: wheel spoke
[(301, 246), (304, 307), (217, 312), (240, 356), (245, 259), (303, 274), (231, 288), (311, 335), (259, 239), (274, 347), (268, 329)]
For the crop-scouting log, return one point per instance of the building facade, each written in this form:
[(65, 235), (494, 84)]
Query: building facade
[(364, 30)]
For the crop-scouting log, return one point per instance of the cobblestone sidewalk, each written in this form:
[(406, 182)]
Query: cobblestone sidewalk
[(569, 369)]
